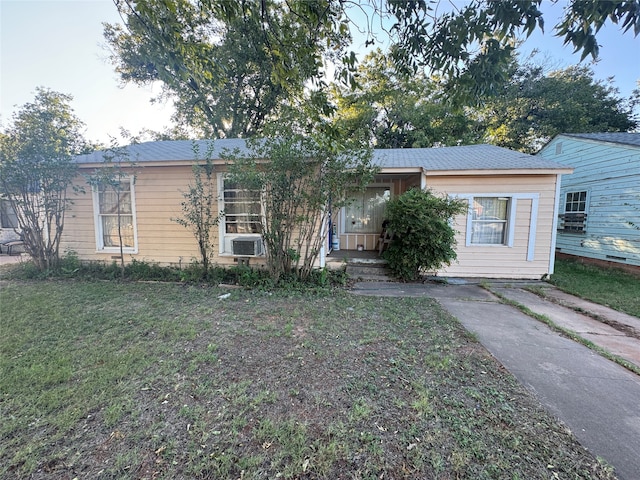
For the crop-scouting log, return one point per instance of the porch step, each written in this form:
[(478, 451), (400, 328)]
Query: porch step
[(372, 270)]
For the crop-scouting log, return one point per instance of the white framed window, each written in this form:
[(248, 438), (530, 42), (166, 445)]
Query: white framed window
[(574, 219), (366, 210), (576, 202), (115, 216), (490, 220), (241, 220)]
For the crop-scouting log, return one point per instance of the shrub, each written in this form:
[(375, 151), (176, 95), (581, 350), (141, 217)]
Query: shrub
[(423, 236), (70, 266)]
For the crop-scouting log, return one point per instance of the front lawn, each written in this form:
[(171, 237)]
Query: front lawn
[(607, 286), (166, 381)]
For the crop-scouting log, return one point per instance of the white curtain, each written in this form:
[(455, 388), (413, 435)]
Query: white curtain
[(110, 230), (490, 220), (365, 213)]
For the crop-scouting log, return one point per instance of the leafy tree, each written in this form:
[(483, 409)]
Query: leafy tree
[(36, 169), (391, 110), (470, 44), (198, 213), (303, 175), (231, 64), (634, 104), (534, 106), (423, 238), (176, 132)]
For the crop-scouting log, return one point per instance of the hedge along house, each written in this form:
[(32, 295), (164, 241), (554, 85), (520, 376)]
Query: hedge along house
[(508, 232), (599, 215)]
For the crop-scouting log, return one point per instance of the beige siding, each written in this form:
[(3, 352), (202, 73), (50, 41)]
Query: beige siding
[(501, 261), (158, 197), (495, 261)]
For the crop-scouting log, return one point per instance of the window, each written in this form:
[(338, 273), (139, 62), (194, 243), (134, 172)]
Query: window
[(489, 225), (242, 209), (114, 205), (575, 216), (365, 213), (576, 202), (8, 218)]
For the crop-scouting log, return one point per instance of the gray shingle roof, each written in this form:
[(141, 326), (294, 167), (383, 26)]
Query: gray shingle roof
[(170, 150), (469, 157), (611, 137)]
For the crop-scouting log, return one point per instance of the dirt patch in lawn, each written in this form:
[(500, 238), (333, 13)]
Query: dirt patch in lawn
[(166, 381)]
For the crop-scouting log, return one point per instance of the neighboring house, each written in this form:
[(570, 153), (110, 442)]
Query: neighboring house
[(508, 232), (599, 214)]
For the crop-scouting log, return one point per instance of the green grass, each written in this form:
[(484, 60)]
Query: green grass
[(611, 287), (165, 381)]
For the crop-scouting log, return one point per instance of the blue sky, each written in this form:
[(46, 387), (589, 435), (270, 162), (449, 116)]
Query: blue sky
[(59, 45)]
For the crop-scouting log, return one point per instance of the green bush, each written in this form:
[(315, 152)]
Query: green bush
[(70, 266), (423, 238), (140, 270)]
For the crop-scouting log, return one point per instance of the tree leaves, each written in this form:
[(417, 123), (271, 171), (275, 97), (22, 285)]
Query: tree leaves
[(231, 66), (533, 107), (36, 168), (583, 19)]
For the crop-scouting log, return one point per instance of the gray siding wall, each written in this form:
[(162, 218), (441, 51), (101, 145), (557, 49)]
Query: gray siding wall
[(610, 174)]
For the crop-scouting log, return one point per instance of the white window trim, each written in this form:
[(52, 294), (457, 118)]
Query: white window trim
[(563, 198), (222, 234), (564, 191), (100, 248), (511, 221)]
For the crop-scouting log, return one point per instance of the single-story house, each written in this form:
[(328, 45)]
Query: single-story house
[(508, 232), (599, 215)]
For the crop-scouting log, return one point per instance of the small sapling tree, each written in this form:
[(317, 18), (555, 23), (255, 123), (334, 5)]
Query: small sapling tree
[(198, 213), (112, 182), (423, 236)]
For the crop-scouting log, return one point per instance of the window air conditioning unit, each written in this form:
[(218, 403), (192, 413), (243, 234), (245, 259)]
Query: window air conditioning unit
[(247, 246)]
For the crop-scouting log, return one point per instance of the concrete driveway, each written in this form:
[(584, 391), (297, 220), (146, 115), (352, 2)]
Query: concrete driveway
[(596, 398), (10, 259)]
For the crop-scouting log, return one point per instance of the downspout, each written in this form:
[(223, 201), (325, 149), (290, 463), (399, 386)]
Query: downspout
[(554, 227)]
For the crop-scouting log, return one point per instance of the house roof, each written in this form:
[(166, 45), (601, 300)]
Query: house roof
[(169, 150), (469, 157), (622, 138)]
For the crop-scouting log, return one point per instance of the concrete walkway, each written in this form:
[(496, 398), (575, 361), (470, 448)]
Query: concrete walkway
[(596, 398), (10, 259)]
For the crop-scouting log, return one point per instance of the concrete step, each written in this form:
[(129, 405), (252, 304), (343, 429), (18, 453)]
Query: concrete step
[(369, 271), (372, 278), (360, 269)]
